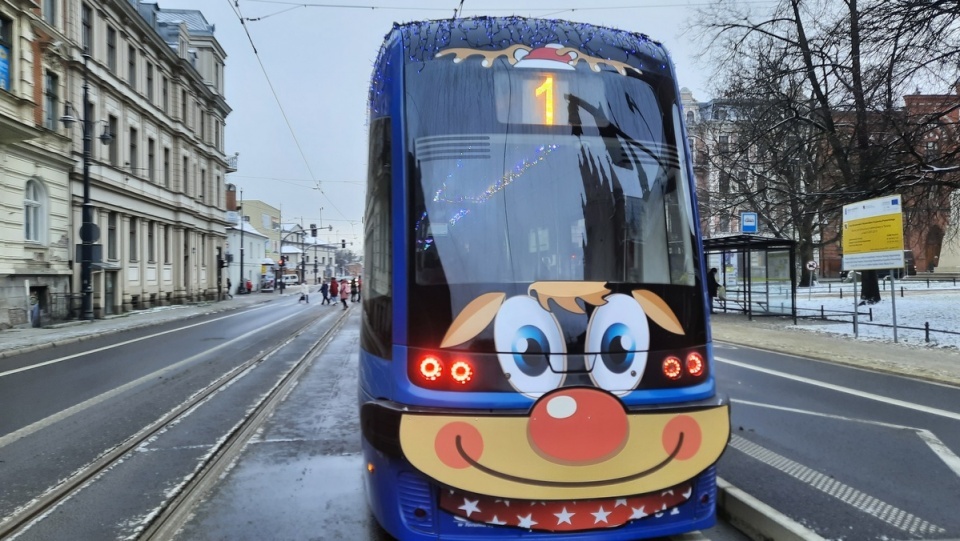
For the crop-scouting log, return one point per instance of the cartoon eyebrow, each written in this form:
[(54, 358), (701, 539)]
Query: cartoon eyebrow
[(473, 319), (658, 310), (565, 294)]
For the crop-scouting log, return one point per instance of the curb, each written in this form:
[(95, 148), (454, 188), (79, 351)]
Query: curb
[(757, 520)]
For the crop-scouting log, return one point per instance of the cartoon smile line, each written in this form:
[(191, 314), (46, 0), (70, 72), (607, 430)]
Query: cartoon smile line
[(568, 484)]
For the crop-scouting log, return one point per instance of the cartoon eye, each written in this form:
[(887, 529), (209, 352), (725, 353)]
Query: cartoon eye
[(529, 340), (618, 337)]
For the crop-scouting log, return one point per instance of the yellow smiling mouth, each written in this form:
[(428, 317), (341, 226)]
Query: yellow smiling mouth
[(567, 484)]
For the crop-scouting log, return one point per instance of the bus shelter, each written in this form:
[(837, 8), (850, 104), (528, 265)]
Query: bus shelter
[(758, 273)]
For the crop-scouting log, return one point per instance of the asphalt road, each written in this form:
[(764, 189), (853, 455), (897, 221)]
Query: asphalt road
[(848, 453)]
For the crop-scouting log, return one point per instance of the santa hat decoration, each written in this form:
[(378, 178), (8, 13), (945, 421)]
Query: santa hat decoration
[(546, 57)]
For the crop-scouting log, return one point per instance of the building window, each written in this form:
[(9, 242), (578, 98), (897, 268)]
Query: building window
[(185, 180), (51, 84), (132, 66), (151, 254), (164, 94), (166, 167), (112, 49), (203, 125), (690, 117), (150, 82), (112, 237), (151, 160), (34, 212), (216, 189), (931, 151), (183, 106), (133, 239), (134, 152), (114, 145), (6, 47), (724, 143), (86, 20), (50, 12), (166, 244), (203, 184), (724, 184)]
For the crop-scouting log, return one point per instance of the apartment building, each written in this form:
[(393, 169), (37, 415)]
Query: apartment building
[(154, 81)]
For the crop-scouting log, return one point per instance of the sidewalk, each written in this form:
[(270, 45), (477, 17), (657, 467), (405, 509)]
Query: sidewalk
[(22, 340), (781, 335)]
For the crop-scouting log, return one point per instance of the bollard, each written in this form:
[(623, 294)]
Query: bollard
[(926, 331), (841, 292), (901, 292), (829, 287), (871, 314), (928, 283), (822, 316)]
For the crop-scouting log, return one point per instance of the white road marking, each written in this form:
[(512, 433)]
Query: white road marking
[(64, 414), (118, 344), (879, 509), (862, 394), (933, 442)]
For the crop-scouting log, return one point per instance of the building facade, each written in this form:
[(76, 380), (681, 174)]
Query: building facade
[(155, 85)]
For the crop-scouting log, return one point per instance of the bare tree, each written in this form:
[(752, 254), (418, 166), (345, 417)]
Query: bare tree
[(822, 120)]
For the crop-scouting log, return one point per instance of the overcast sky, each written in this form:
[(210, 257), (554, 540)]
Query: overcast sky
[(299, 103)]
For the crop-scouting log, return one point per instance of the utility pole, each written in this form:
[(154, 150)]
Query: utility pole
[(243, 282)]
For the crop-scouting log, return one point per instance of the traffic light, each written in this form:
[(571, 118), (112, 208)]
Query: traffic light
[(313, 230), (283, 261), (343, 243)]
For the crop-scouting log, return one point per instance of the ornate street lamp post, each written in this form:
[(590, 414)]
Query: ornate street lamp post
[(89, 232)]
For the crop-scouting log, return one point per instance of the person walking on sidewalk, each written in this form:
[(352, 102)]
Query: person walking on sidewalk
[(334, 291), (229, 286), (325, 291), (304, 293), (713, 286), (344, 292)]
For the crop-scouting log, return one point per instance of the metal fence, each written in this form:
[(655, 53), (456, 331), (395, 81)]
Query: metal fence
[(65, 306), (840, 315)]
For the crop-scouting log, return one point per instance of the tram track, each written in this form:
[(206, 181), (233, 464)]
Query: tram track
[(164, 522)]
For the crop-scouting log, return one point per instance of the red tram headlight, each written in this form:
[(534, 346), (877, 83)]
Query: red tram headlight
[(431, 368), (461, 372), (695, 364), (672, 368)]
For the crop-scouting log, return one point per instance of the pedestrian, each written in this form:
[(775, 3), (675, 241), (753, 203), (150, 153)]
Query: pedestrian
[(713, 286), (229, 287), (304, 293), (334, 291), (344, 292), (325, 291), (353, 290), (359, 287)]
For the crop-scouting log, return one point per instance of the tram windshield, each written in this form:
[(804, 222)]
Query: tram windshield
[(522, 175)]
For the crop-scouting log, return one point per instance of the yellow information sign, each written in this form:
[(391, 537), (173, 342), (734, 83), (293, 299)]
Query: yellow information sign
[(873, 234)]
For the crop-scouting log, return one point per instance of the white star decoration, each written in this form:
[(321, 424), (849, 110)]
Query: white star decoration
[(686, 495), (600, 515), (638, 512), (526, 522), (621, 501), (564, 516), (497, 521), (469, 507)]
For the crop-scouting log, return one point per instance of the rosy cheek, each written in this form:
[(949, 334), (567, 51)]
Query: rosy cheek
[(692, 436), (470, 444)]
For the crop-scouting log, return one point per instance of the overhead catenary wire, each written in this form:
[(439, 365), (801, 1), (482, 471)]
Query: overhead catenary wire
[(235, 7)]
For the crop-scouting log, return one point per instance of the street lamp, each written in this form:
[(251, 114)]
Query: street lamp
[(89, 232)]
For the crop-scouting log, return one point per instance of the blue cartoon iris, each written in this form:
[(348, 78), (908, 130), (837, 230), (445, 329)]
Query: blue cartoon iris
[(617, 348), (531, 350), (527, 339)]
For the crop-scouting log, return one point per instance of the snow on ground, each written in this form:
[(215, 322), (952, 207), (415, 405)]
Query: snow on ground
[(937, 304)]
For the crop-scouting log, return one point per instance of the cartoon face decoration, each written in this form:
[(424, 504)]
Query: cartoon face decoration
[(578, 443)]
